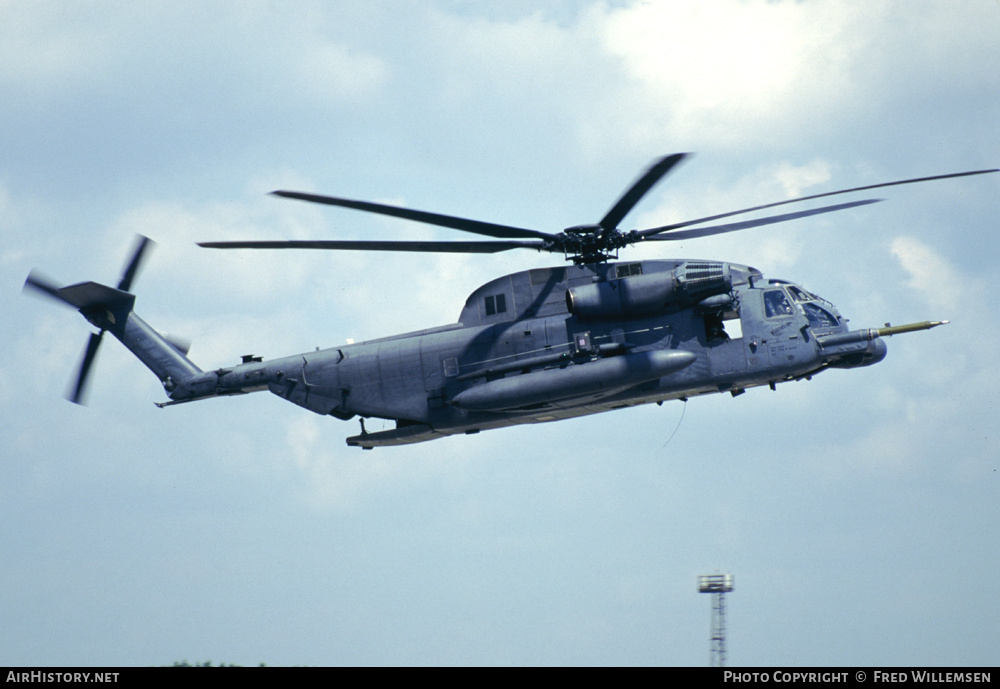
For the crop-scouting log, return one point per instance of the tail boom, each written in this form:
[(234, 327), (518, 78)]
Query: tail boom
[(158, 354)]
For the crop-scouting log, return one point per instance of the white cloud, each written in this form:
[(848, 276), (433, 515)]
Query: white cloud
[(771, 248), (797, 179), (763, 75), (929, 274), (169, 56), (733, 71), (334, 478), (329, 72), (253, 275)]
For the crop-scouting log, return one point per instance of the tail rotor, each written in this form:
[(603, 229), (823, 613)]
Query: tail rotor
[(98, 304)]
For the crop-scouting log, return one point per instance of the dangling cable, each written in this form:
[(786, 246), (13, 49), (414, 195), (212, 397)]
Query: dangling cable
[(683, 409)]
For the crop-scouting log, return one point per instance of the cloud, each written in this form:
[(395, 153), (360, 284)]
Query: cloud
[(797, 179), (771, 248), (929, 274), (734, 72), (254, 275), (328, 478), (330, 73), (762, 76)]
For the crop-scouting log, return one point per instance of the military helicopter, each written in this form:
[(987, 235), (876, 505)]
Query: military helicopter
[(534, 346)]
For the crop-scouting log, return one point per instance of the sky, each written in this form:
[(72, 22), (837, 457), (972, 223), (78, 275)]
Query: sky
[(858, 512)]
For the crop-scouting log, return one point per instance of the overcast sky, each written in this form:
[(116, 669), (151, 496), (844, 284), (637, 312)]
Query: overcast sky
[(858, 512)]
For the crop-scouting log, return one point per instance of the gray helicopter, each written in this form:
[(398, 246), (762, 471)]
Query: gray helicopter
[(534, 346)]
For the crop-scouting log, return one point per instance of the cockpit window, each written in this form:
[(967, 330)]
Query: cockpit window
[(776, 304), (818, 317), (799, 294)]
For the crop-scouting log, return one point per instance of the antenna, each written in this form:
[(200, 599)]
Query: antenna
[(718, 585)]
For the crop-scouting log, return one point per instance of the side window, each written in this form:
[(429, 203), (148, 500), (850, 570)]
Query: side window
[(719, 329), (495, 303), (625, 270), (776, 304)]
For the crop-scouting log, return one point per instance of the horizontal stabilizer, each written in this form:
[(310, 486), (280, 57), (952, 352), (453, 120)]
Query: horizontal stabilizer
[(87, 295)]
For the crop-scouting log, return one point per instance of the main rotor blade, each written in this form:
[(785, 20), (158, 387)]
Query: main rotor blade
[(736, 226), (455, 223), (349, 245), (76, 397), (668, 228), (638, 189), (141, 244)]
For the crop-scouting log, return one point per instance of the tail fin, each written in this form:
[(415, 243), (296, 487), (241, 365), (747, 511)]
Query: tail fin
[(110, 310)]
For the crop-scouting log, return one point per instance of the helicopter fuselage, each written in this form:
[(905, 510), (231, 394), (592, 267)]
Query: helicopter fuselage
[(533, 346), (555, 343)]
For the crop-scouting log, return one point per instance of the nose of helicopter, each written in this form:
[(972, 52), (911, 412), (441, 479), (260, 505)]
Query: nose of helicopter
[(846, 352), (877, 349), (872, 354)]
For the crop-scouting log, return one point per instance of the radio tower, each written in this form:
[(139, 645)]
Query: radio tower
[(718, 585)]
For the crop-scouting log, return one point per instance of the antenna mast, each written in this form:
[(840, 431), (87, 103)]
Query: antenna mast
[(718, 585)]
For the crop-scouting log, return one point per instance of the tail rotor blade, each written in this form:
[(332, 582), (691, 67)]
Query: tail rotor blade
[(44, 285), (141, 244), (79, 390)]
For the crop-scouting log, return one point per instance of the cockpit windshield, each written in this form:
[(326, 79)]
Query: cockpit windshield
[(777, 305), (800, 295), (818, 316)]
